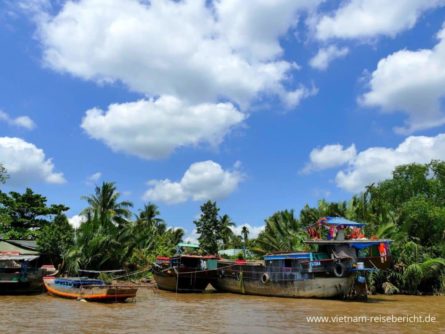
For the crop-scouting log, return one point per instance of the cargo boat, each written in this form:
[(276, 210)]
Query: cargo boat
[(184, 273), (337, 268)]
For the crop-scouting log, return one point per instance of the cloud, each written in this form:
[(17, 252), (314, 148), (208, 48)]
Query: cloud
[(191, 237), (26, 163), (254, 231), (21, 121), (412, 82), (329, 156), (372, 18), (196, 51), (92, 179), (205, 180), (377, 163), (293, 98), (152, 129), (76, 220), (325, 56)]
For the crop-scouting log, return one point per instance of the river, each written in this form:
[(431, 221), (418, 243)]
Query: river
[(164, 312)]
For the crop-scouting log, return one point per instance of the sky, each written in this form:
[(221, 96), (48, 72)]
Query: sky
[(259, 105)]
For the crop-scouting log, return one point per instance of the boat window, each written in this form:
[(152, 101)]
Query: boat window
[(288, 263)]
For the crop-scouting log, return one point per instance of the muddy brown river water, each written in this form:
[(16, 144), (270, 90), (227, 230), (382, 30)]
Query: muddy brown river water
[(165, 312)]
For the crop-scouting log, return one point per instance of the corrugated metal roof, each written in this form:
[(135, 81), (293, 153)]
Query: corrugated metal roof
[(30, 244), (7, 246)]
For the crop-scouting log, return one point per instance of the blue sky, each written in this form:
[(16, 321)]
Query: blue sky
[(260, 105)]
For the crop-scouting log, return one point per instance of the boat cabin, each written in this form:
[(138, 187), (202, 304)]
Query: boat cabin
[(18, 259), (338, 238), (288, 266)]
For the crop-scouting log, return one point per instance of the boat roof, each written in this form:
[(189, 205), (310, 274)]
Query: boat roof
[(285, 256), (101, 271), (337, 221), (205, 257), (359, 244), (26, 258)]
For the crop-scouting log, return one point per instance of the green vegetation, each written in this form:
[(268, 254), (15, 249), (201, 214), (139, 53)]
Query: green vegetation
[(215, 231), (22, 216), (408, 208), (109, 239)]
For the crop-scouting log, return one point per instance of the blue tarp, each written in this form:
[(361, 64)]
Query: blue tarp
[(343, 221), (361, 245), (77, 282)]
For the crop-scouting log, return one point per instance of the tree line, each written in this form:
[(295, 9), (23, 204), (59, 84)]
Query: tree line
[(408, 208)]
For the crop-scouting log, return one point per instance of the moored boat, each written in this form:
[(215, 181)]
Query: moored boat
[(20, 271), (337, 268), (88, 289), (184, 273)]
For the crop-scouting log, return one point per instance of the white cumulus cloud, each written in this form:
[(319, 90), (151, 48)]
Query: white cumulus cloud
[(26, 163), (372, 18), (205, 180), (377, 163), (20, 121), (326, 55), (152, 129), (195, 50), (76, 220), (329, 156), (93, 178), (254, 231), (412, 82)]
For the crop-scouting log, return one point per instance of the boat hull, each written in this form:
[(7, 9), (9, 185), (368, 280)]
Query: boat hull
[(11, 284), (108, 293), (21, 288), (184, 282), (329, 287)]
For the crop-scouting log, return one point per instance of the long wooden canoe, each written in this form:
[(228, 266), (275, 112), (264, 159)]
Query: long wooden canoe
[(88, 289)]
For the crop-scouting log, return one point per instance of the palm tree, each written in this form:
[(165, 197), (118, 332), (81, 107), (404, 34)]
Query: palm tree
[(149, 218), (283, 232), (226, 232), (105, 203), (245, 234)]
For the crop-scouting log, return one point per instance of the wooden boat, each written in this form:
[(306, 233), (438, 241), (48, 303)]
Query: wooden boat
[(17, 278), (20, 271), (280, 275), (184, 273), (336, 269), (88, 289)]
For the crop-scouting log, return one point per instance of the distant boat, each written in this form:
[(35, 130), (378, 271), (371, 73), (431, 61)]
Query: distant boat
[(184, 273), (20, 271), (88, 289)]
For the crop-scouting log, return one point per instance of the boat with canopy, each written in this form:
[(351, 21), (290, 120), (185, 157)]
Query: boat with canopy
[(334, 266)]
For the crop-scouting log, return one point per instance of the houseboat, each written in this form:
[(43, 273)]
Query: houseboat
[(20, 271), (332, 268), (185, 272)]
